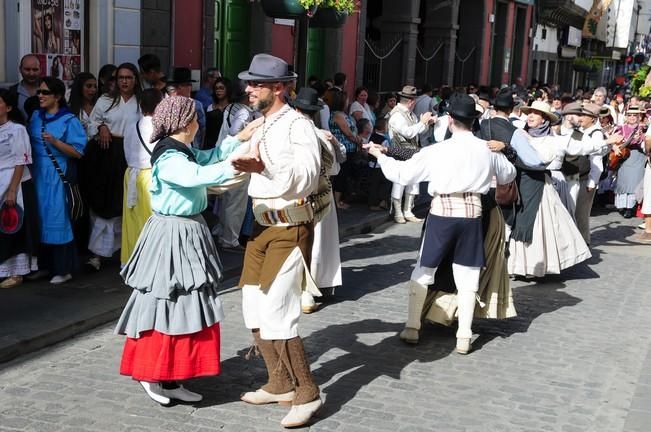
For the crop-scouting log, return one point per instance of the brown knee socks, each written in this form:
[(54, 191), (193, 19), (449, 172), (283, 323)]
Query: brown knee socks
[(293, 355), (279, 379)]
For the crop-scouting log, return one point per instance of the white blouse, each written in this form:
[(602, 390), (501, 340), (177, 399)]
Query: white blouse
[(134, 151), (15, 148), (117, 118)]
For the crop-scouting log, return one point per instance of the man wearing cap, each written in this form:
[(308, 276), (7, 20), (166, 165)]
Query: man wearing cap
[(459, 170), (284, 162), (180, 84), (404, 130)]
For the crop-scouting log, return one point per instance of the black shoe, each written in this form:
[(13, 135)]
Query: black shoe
[(629, 213)]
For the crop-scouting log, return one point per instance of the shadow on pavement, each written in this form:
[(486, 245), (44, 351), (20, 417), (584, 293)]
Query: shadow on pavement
[(364, 362), (531, 302)]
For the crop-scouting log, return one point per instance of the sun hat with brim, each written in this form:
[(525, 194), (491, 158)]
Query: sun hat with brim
[(267, 68), (605, 112), (542, 108), (463, 107), (635, 110), (11, 218), (408, 92), (307, 99)]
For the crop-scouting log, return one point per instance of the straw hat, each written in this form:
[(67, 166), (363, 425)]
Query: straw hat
[(542, 108)]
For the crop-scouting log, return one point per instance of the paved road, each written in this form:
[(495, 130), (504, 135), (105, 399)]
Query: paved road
[(576, 359)]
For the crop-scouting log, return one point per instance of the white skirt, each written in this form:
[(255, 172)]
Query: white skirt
[(105, 235), (325, 264), (556, 244), (646, 202)]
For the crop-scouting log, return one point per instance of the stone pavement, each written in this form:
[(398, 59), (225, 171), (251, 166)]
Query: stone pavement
[(576, 358), (38, 314)]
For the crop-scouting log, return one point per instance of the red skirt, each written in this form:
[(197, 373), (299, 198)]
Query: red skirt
[(155, 357)]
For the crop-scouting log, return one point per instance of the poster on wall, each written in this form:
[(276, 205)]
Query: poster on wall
[(56, 37)]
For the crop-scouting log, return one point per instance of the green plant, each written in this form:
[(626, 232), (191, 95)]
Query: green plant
[(637, 82), (347, 6), (582, 61), (645, 91)]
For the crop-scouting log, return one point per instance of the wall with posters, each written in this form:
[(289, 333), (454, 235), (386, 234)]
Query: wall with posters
[(56, 36)]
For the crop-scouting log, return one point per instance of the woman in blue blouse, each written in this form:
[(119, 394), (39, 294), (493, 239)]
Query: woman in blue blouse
[(172, 317), (54, 126)]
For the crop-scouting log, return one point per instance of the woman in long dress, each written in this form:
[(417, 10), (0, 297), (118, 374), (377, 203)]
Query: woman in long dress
[(105, 163), (53, 127), (17, 249), (630, 173), (544, 238), (172, 318), (138, 149)]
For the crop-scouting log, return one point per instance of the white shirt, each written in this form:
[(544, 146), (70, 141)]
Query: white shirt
[(324, 117), (291, 154), (596, 165), (405, 123), (15, 148), (462, 163), (117, 118), (135, 153), (364, 109)]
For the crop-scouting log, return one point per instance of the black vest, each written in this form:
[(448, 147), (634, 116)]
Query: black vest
[(497, 128)]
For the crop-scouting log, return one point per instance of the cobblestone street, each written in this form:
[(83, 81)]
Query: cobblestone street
[(574, 360)]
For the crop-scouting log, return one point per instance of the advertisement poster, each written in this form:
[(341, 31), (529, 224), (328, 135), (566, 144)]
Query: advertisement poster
[(57, 35)]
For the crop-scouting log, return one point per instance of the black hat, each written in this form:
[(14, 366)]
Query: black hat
[(462, 107), (484, 96), (307, 99), (265, 67), (504, 99), (180, 75)]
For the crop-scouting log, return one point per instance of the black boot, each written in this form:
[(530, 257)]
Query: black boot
[(629, 213)]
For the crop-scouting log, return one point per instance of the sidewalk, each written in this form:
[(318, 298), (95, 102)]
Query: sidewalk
[(37, 314)]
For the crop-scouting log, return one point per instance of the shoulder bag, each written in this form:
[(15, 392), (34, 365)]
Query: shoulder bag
[(73, 195)]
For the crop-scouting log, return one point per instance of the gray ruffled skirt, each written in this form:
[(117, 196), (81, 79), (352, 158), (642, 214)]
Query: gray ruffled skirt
[(174, 271)]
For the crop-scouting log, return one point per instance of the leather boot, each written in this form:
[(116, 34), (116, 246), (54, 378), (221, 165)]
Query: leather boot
[(417, 294), (396, 205), (279, 387), (307, 400), (407, 209)]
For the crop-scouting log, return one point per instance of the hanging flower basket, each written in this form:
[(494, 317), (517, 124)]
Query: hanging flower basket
[(328, 18), (288, 9)]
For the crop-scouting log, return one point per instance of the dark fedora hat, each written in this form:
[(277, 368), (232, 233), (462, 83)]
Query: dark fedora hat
[(504, 99), (462, 107), (180, 75), (307, 99), (265, 67), (11, 218)]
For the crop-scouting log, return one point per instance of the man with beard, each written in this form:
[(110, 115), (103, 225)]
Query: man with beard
[(284, 162)]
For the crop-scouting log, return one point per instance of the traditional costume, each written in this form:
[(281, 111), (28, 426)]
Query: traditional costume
[(136, 208), (630, 173), (103, 178), (459, 170), (57, 252), (172, 317), (18, 250), (404, 131), (276, 261)]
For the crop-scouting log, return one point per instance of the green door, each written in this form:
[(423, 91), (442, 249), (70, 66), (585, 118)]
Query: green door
[(315, 49), (232, 25)]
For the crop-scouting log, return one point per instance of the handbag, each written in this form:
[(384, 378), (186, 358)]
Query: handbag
[(74, 202), (507, 194)]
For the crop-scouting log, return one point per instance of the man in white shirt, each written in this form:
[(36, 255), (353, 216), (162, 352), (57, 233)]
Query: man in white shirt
[(284, 162), (458, 170), (590, 167), (404, 130)]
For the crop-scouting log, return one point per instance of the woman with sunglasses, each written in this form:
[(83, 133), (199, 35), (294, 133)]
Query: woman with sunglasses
[(221, 94), (105, 163), (54, 130)]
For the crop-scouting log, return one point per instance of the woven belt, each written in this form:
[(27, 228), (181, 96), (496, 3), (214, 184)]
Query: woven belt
[(463, 205), (280, 212)]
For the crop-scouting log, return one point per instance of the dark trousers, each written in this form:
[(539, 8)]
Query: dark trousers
[(379, 188)]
